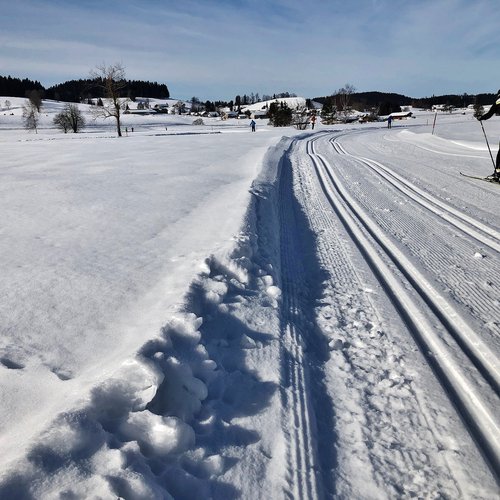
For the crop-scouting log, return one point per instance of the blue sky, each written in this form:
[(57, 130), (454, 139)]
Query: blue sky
[(215, 49)]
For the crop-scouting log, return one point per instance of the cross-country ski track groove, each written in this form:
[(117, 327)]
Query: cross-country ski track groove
[(479, 353), (482, 233), (472, 377), (297, 415)]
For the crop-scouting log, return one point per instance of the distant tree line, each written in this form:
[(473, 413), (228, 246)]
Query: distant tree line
[(363, 101), (390, 102), (84, 89), (384, 102), (15, 87), (455, 100), (78, 90), (74, 91)]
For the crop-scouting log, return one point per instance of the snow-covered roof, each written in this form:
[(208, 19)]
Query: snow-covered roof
[(401, 114), (291, 102)]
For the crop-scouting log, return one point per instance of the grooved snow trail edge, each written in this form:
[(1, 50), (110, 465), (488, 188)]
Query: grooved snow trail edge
[(476, 415)]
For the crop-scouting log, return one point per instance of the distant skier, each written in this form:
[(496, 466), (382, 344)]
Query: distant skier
[(389, 122), (495, 108), (313, 121), (252, 124)]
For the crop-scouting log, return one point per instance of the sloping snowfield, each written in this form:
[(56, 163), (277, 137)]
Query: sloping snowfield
[(202, 312)]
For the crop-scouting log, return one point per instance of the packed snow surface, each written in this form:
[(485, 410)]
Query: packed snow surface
[(203, 312)]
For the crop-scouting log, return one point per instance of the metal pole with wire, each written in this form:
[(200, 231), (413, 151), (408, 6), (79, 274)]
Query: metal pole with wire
[(488, 144)]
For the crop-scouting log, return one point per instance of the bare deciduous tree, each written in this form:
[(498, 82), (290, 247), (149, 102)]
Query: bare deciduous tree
[(179, 107), (61, 122), (112, 80), (344, 98), (300, 118), (70, 118), (31, 116)]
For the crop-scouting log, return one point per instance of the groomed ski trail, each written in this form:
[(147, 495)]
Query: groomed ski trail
[(485, 360), (347, 393), (478, 411)]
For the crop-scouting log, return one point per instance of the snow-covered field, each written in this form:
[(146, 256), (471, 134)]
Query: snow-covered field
[(203, 312)]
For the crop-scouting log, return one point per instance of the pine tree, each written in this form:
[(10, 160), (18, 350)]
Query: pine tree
[(329, 110), (280, 115), (478, 108)]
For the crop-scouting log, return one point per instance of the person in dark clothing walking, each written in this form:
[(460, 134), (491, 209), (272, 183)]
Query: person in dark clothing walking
[(495, 108), (252, 124)]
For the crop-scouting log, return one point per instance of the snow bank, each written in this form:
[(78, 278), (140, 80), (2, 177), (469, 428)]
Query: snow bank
[(158, 424), (100, 240)]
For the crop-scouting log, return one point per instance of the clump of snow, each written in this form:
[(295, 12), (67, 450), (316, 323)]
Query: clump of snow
[(273, 292), (181, 393), (129, 389), (336, 344), (157, 435)]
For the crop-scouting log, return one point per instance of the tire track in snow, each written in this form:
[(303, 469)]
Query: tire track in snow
[(472, 400)]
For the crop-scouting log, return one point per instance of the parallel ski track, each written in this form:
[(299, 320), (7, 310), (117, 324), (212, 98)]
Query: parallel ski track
[(297, 412), (470, 226), (476, 296), (374, 244), (482, 356), (334, 256)]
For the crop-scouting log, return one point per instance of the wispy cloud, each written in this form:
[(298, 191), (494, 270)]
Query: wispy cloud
[(215, 49)]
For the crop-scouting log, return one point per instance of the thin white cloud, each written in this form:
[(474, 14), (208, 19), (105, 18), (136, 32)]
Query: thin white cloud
[(225, 47)]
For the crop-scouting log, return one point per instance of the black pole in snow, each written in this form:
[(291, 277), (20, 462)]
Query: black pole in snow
[(488, 144)]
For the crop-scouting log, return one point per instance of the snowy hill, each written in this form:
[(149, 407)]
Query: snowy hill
[(291, 102)]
